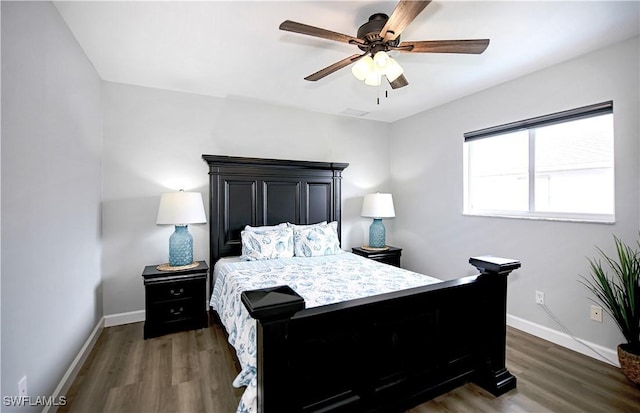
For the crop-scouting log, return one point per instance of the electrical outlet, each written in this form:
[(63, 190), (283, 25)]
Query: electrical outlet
[(596, 313), (22, 387), (540, 297)]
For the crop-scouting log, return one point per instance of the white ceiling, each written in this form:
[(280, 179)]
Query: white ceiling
[(235, 50)]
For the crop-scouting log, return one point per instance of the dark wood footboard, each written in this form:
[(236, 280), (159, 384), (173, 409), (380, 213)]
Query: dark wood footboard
[(385, 353)]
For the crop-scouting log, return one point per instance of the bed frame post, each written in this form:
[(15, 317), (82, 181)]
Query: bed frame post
[(493, 376), (273, 308)]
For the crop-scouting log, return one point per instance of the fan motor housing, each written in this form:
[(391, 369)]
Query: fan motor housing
[(370, 31)]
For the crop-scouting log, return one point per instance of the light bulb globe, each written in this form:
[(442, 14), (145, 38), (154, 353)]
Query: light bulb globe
[(380, 61), (362, 68), (373, 79), (393, 70)]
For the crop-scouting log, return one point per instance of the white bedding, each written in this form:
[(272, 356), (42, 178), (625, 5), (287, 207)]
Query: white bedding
[(319, 280)]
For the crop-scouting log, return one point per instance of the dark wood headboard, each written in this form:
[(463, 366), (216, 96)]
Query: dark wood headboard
[(253, 191)]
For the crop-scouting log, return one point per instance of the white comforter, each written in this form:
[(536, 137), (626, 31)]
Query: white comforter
[(319, 280)]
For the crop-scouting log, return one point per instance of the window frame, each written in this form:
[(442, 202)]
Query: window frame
[(530, 125)]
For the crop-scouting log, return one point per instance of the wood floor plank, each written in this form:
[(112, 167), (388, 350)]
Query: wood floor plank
[(105, 368), (184, 357), (123, 398), (185, 397), (158, 362), (193, 371)]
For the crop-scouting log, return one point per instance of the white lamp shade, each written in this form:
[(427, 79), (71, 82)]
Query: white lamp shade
[(378, 206), (181, 208)]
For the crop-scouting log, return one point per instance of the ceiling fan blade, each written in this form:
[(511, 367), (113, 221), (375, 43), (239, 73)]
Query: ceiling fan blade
[(445, 46), (301, 28), (402, 15), (401, 81), (334, 67)]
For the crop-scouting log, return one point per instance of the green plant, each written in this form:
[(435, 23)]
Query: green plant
[(619, 293)]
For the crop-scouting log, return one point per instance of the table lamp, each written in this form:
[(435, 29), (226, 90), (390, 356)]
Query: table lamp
[(181, 209), (377, 206)]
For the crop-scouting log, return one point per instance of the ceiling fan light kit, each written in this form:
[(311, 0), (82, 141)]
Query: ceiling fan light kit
[(377, 37), (371, 70)]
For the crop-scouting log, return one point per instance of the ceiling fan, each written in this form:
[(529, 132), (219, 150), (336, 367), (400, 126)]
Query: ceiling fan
[(380, 35)]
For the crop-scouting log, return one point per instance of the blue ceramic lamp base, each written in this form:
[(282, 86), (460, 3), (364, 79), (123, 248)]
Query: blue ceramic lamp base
[(180, 247), (377, 234)]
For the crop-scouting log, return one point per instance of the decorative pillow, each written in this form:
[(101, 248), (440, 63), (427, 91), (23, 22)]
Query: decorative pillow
[(267, 245), (265, 227), (294, 226), (316, 240)]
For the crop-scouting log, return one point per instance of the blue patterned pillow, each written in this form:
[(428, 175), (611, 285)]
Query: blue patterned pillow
[(296, 226), (316, 240), (265, 227), (267, 245)]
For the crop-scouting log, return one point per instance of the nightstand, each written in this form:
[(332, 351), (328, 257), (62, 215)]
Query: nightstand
[(390, 256), (175, 300)]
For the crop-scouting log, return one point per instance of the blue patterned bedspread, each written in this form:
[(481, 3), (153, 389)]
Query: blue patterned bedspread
[(320, 280)]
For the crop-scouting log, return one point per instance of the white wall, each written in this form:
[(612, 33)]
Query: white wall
[(426, 176), (153, 142), (51, 181)]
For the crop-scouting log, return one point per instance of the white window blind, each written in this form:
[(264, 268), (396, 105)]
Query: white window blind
[(558, 166)]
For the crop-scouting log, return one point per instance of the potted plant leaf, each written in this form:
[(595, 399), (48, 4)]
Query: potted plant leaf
[(616, 285)]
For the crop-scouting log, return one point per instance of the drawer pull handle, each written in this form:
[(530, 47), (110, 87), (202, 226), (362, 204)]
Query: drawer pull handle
[(173, 292), (174, 312)]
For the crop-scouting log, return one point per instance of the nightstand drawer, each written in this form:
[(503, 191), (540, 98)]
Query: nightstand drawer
[(173, 290), (171, 311)]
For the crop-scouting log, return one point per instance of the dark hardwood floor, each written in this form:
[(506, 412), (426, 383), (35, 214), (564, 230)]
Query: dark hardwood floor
[(193, 371)]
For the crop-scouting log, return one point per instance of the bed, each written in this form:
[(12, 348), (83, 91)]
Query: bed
[(385, 352)]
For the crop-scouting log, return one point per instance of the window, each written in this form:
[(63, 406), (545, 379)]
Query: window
[(557, 166)]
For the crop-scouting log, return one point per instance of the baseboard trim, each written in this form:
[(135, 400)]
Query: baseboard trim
[(564, 340), (76, 365), (124, 318)]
